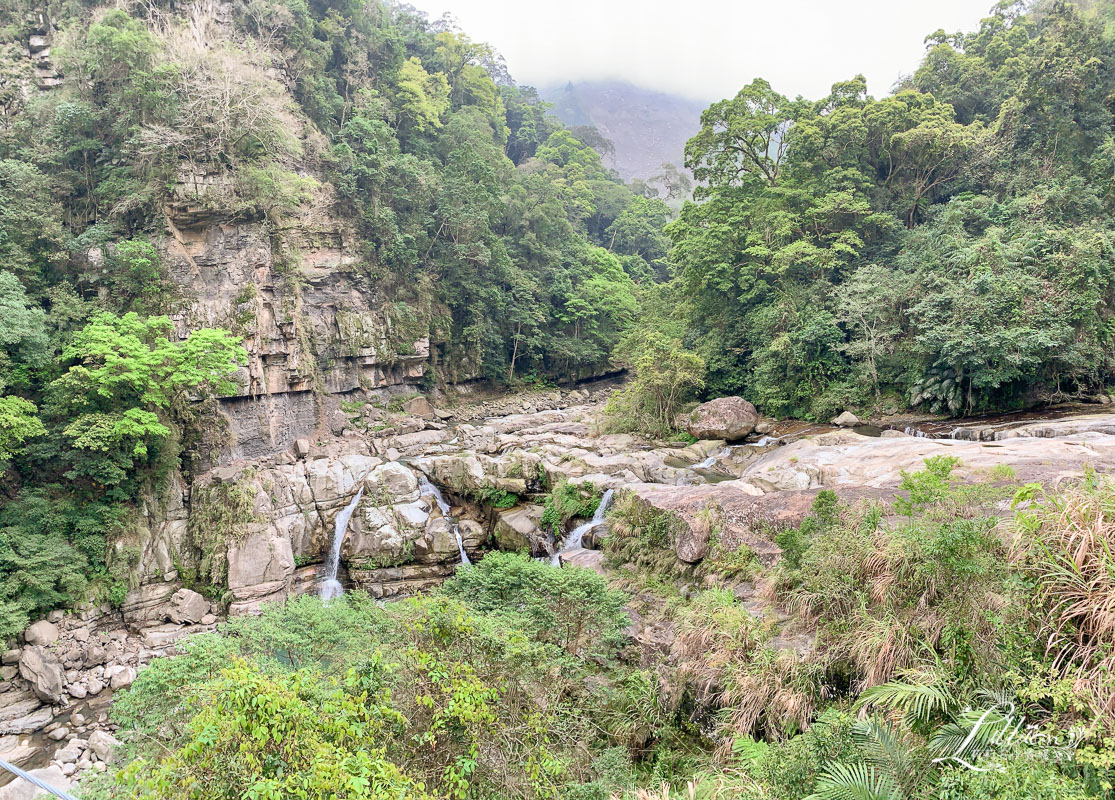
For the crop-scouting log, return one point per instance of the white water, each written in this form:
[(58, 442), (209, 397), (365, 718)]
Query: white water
[(708, 462), (427, 489), (573, 541), (332, 587)]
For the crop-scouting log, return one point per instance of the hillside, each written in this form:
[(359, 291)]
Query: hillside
[(648, 128), (364, 437)]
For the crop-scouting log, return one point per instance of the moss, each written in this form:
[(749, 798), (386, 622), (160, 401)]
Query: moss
[(220, 513)]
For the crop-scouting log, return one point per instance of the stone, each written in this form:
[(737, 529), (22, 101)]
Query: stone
[(58, 734), (43, 671), (302, 447), (94, 655), (77, 691), (443, 414), (41, 633), (728, 418), (68, 754), (187, 606), (122, 679), (395, 478), (10, 657), (419, 407), (209, 619), (582, 557), (9, 672), (846, 420), (24, 790), (80, 635), (517, 529), (94, 686), (163, 635), (104, 745)]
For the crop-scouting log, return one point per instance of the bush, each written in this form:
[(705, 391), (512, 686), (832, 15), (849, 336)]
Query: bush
[(568, 606)]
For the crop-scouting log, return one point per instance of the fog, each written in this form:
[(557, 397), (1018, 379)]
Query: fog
[(708, 49)]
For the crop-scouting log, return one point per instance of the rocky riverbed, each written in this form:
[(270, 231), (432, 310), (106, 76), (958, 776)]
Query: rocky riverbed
[(261, 529)]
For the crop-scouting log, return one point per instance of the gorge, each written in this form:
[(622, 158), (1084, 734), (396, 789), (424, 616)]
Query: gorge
[(364, 436)]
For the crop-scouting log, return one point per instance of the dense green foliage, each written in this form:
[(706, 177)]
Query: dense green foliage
[(949, 245), (485, 225), (927, 632)]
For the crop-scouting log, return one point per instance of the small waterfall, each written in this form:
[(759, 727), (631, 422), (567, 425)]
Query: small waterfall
[(708, 462), (573, 541), (332, 587), (427, 489)]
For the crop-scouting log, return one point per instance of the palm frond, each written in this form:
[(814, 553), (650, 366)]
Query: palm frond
[(854, 782)]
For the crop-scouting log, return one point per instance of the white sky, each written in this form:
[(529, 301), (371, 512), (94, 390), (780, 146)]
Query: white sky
[(708, 49)]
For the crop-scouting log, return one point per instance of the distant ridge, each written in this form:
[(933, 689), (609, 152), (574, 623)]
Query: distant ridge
[(647, 127)]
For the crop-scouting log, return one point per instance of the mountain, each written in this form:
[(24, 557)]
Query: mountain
[(647, 127)]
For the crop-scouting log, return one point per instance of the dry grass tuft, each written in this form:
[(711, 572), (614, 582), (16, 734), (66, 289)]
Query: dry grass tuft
[(1068, 546)]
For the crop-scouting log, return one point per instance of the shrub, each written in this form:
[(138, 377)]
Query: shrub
[(570, 607)]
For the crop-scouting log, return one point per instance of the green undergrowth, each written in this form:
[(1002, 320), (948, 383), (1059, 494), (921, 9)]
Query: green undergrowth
[(886, 655)]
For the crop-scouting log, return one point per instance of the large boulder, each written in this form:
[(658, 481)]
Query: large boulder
[(419, 407), (41, 633), (517, 529), (187, 606), (104, 745), (728, 418), (25, 790), (846, 420), (42, 669)]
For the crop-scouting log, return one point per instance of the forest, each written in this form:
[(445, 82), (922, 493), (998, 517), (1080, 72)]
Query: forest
[(942, 248)]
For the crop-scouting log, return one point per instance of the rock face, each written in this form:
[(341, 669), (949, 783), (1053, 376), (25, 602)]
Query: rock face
[(728, 418), (848, 460)]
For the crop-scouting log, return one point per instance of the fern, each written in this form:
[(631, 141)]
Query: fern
[(854, 782), (918, 702)]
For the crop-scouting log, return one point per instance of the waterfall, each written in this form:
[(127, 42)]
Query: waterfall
[(708, 462), (427, 489), (573, 541), (331, 587)]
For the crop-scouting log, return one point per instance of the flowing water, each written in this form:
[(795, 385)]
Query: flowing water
[(332, 587), (427, 489), (577, 535)]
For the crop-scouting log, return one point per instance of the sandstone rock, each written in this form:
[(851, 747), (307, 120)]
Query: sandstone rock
[(728, 418), (77, 691), (209, 619), (94, 686), (104, 745), (582, 557), (41, 633), (94, 655), (122, 678), (846, 420), (302, 447), (187, 606), (68, 754), (58, 734), (516, 529), (10, 657), (394, 478), (43, 671), (419, 407), (24, 790), (162, 635)]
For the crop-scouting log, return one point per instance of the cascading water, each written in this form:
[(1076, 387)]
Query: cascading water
[(427, 489), (332, 587), (708, 462), (573, 541)]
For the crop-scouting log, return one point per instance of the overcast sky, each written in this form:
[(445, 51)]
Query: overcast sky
[(708, 49)]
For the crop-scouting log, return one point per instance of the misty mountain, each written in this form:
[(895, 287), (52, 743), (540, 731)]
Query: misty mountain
[(647, 127)]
